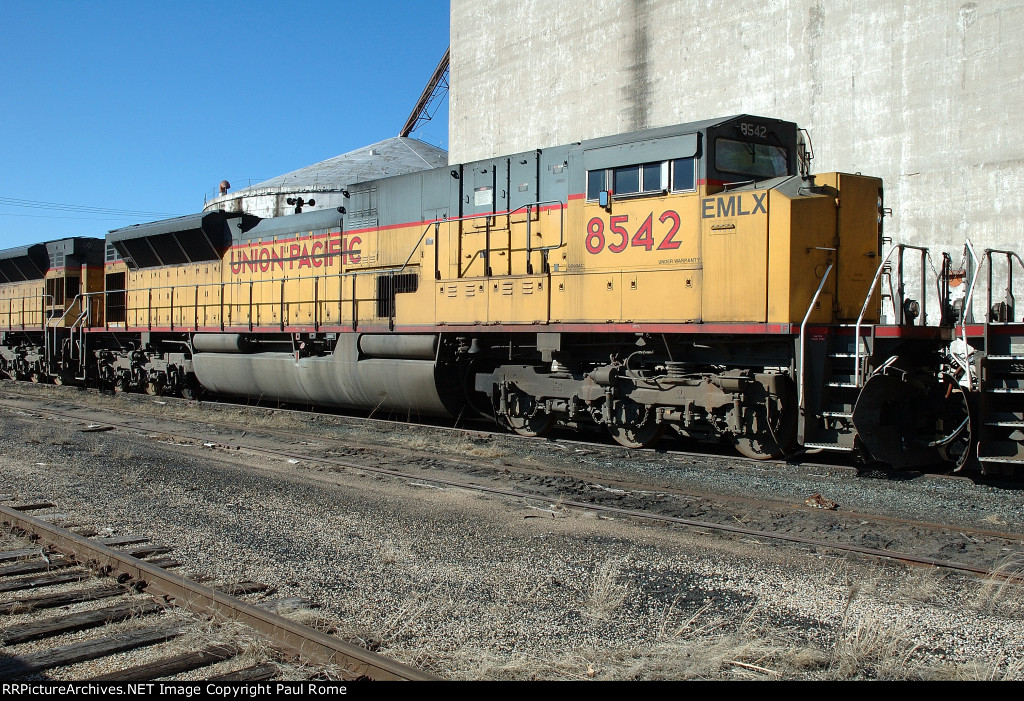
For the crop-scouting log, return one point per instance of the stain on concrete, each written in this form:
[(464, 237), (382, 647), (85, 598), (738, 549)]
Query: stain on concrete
[(965, 18), (636, 91), (812, 41)]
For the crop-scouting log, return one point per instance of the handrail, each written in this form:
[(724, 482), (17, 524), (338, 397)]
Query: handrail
[(436, 225), (863, 311), (224, 287), (79, 299), (341, 275), (801, 420), (1010, 255), (43, 319), (561, 220), (871, 291), (528, 208), (968, 300)]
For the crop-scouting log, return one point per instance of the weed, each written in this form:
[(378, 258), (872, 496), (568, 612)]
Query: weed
[(411, 613), (923, 585), (1000, 669), (873, 648), (1001, 592), (391, 553), (607, 592)]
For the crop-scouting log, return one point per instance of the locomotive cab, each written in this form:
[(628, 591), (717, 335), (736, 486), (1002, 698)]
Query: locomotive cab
[(75, 272)]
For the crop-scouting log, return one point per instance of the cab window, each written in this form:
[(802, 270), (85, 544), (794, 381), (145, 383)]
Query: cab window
[(595, 183), (750, 159), (677, 175), (684, 174)]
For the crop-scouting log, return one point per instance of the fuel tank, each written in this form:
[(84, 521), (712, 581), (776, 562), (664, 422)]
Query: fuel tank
[(346, 378)]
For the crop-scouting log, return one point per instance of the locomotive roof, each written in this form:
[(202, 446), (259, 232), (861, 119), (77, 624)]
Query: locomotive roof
[(189, 239), (31, 262), (674, 129), (290, 224), (23, 263), (166, 226), (394, 156)]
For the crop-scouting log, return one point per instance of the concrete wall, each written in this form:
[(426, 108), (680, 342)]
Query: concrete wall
[(926, 94)]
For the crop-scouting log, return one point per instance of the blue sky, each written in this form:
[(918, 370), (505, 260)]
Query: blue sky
[(142, 108)]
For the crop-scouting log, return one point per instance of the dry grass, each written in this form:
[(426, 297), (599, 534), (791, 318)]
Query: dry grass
[(60, 441), (924, 585), (1002, 593), (412, 612), (392, 553), (311, 619), (461, 448), (140, 480), (740, 654), (1001, 669), (876, 649), (11, 541), (608, 591)]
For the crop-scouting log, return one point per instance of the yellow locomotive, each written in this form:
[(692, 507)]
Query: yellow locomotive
[(692, 278)]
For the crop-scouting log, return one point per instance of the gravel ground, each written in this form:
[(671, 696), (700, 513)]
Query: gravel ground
[(474, 586)]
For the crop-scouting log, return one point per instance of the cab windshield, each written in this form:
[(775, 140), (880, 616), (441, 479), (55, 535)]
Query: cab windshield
[(750, 159)]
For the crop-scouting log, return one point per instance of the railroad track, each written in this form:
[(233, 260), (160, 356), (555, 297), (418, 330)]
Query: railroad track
[(55, 567), (1007, 540), (483, 427)]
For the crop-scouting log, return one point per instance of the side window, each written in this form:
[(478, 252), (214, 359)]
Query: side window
[(626, 181), (72, 286), (684, 174), (653, 180), (55, 290), (595, 183), (640, 179)]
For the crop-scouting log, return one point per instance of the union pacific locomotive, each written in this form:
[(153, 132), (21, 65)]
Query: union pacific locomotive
[(693, 279)]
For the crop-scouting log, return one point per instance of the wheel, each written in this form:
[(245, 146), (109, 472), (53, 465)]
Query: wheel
[(155, 388), (643, 436), (769, 439), (191, 390), (532, 426), (58, 379), (525, 416)]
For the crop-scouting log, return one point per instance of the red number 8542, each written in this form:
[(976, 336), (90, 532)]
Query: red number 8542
[(643, 238)]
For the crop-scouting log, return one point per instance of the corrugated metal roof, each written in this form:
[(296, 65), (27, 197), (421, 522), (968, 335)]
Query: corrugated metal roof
[(291, 224), (23, 263), (393, 156), (189, 239), (209, 220)]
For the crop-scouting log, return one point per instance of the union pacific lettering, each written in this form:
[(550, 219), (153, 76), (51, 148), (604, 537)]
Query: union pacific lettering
[(738, 205), (296, 256)]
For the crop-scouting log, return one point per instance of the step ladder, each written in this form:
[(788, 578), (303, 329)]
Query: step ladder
[(836, 358), (1002, 405)]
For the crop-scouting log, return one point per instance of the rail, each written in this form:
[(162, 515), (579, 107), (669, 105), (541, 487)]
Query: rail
[(802, 419), (81, 304), (311, 645)]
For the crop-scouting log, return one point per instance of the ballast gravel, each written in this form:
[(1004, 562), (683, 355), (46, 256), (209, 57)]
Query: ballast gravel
[(469, 585)]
